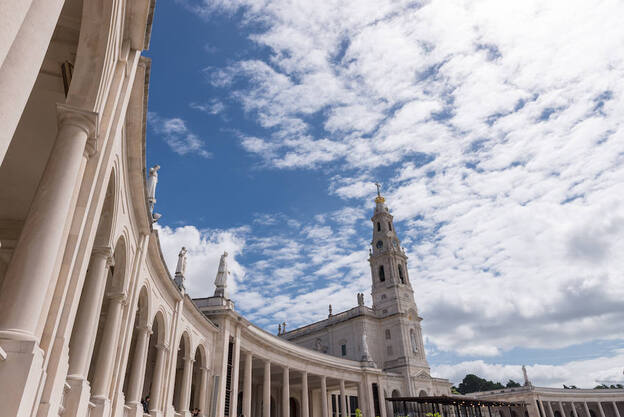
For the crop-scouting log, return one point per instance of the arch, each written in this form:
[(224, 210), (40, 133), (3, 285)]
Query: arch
[(104, 233), (592, 413), (120, 255), (110, 299), (92, 293), (137, 348), (395, 394), (557, 413), (294, 407), (157, 338), (184, 348), (422, 393), (382, 274), (401, 276), (200, 361), (159, 323)]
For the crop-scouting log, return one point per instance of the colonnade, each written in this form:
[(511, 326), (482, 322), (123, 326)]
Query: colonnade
[(557, 408), (264, 378)]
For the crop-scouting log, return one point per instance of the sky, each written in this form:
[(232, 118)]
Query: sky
[(495, 128)]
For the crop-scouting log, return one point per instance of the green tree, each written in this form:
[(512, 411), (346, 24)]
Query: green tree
[(474, 383), (512, 384)]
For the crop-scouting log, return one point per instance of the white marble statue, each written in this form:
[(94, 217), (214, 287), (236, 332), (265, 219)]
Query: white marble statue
[(181, 267), (222, 277), (366, 357), (152, 180), (527, 383)]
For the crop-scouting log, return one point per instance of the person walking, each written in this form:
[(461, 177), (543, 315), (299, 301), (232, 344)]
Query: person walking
[(145, 404)]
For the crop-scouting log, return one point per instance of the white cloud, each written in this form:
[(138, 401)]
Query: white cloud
[(177, 135), (582, 373), (500, 127), (212, 107)]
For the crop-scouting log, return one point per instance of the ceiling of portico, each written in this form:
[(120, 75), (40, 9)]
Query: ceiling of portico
[(32, 142)]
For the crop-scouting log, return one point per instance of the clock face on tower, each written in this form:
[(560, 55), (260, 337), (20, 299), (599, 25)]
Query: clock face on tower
[(379, 244)]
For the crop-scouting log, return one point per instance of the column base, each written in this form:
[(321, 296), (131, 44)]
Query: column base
[(101, 407), (20, 376), (134, 409), (77, 399), (156, 413)]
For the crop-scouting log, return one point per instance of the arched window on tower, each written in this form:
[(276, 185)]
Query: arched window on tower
[(388, 335), (378, 227), (389, 226), (401, 276), (382, 274)]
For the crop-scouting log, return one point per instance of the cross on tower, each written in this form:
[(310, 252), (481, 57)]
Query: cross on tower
[(378, 188)]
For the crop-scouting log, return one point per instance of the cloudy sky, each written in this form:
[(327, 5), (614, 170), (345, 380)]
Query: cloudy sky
[(496, 128)]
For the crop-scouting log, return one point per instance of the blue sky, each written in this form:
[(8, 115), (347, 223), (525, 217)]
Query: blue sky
[(495, 129)]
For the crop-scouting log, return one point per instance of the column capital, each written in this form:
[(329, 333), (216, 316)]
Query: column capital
[(144, 328), (88, 121), (188, 359), (120, 297), (104, 252), (204, 369)]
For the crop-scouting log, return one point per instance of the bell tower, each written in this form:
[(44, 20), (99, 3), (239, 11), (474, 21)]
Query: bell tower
[(393, 296), (392, 290)]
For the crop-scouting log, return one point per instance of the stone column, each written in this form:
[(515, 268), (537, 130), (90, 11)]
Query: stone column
[(305, 403), (324, 407), (602, 414), (617, 412), (34, 265), (551, 410), (574, 409), (561, 410), (185, 390), (108, 347), (157, 379), (586, 409), (286, 392), (266, 390), (139, 360), (203, 388), (85, 327), (235, 373), (84, 332), (360, 396), (343, 399), (541, 405), (382, 400), (247, 385)]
